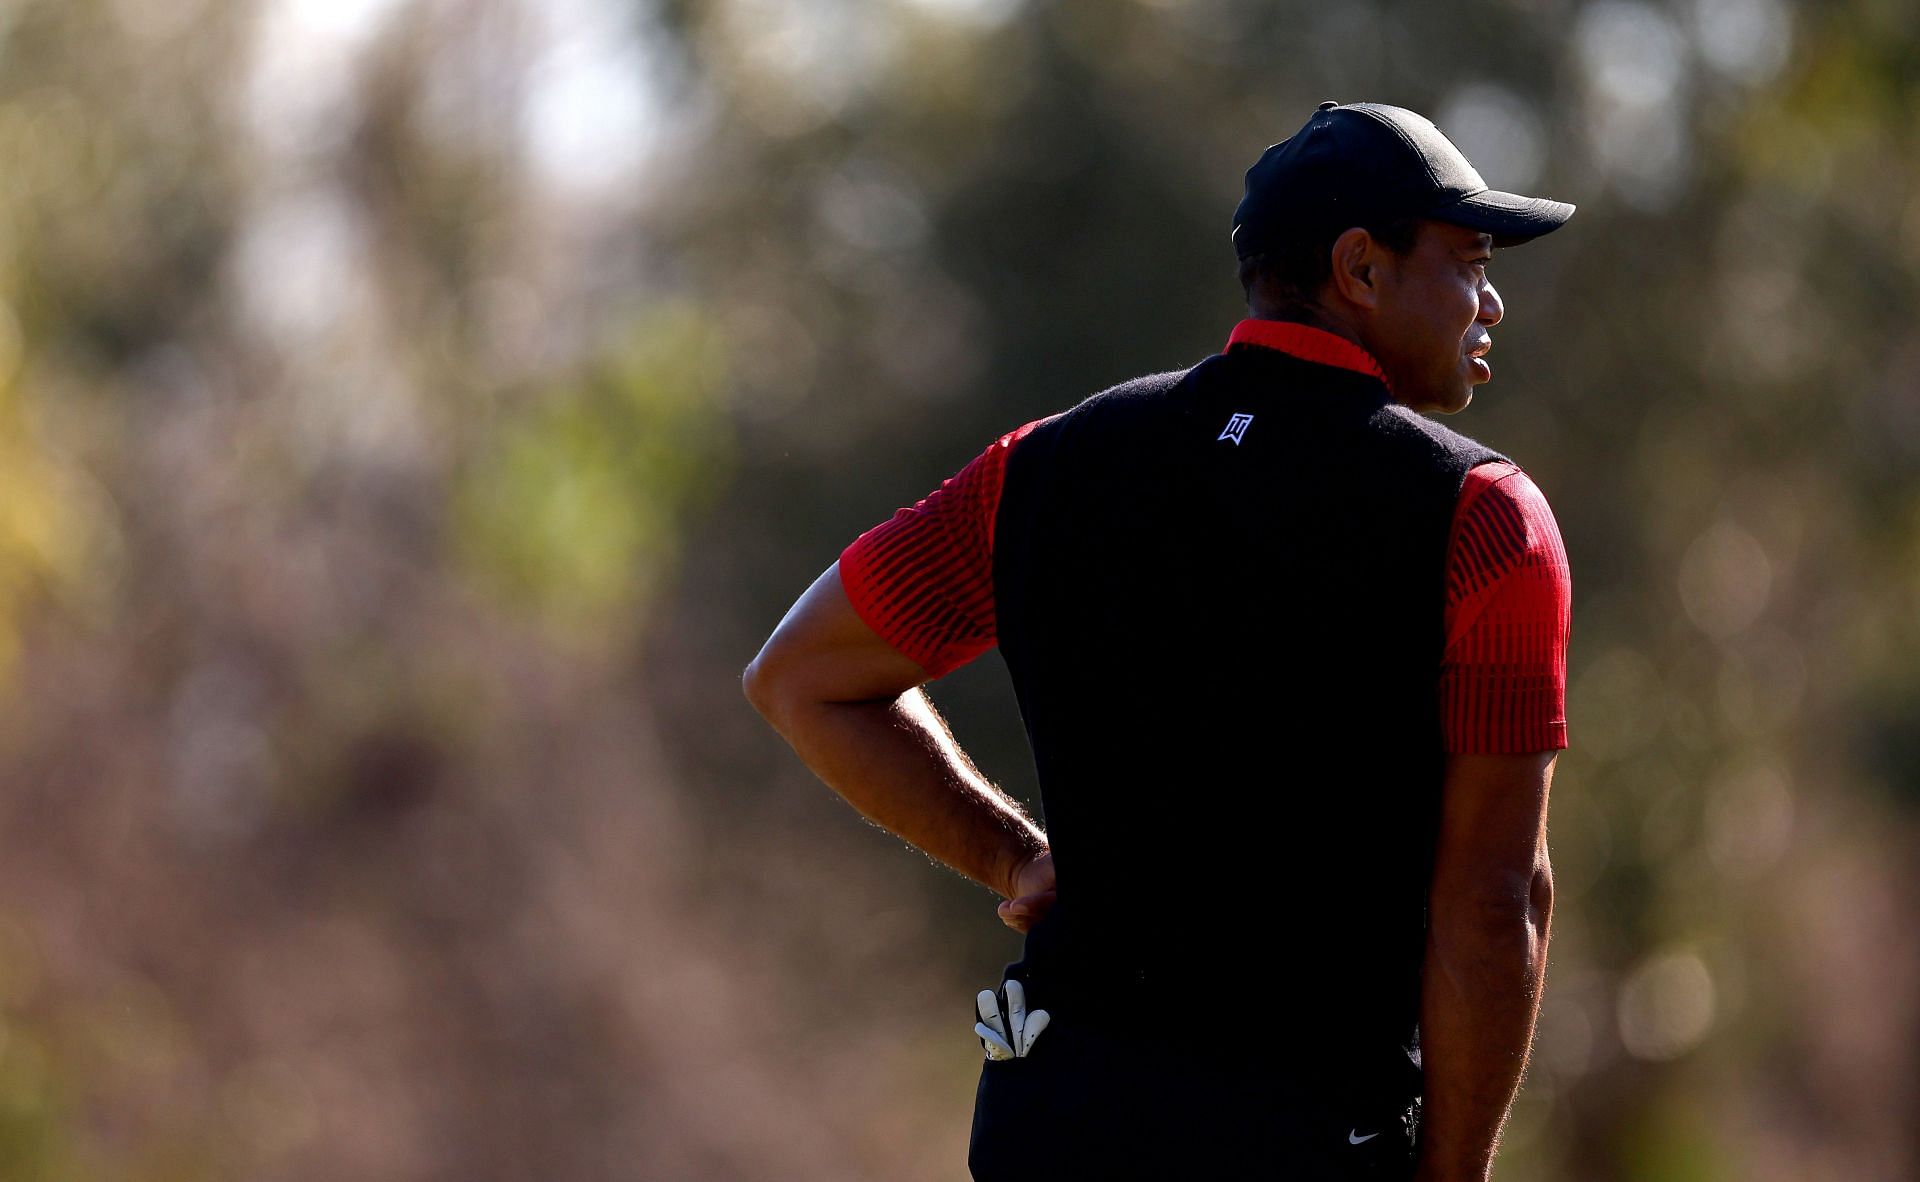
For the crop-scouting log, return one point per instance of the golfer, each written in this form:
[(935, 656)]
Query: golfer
[(1291, 657)]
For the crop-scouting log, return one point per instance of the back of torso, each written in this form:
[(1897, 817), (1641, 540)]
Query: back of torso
[(1225, 633)]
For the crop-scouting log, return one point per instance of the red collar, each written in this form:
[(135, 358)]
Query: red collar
[(1307, 343)]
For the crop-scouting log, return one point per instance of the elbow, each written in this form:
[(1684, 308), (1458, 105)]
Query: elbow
[(1513, 907), (1536, 898), (780, 686), (1497, 946), (761, 684), (1540, 896), (1540, 912)]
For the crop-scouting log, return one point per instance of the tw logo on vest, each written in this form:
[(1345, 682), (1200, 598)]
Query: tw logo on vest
[(1236, 429)]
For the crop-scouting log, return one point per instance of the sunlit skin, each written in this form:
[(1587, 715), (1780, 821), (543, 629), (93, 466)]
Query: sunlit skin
[(1424, 315)]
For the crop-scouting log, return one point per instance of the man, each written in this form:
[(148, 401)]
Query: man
[(1291, 658)]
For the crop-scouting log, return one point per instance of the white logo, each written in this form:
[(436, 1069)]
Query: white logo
[(1236, 427), (1353, 1140)]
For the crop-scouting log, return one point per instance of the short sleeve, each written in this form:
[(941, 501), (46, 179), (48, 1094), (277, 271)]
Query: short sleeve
[(923, 579), (1509, 613)]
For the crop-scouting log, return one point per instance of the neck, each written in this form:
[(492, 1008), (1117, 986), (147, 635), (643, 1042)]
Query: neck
[(1311, 315)]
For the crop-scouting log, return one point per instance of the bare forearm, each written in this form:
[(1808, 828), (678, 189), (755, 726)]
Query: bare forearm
[(1482, 983), (897, 763)]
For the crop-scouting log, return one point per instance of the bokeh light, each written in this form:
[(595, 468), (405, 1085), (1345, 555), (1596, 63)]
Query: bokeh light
[(414, 413)]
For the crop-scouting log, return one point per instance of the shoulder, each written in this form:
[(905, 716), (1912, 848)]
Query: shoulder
[(1135, 396), (1499, 495), (1130, 408), (1148, 386), (1502, 525), (1441, 444)]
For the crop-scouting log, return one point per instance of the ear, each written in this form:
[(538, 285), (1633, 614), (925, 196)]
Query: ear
[(1356, 259)]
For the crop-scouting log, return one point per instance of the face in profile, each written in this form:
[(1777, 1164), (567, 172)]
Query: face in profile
[(1429, 324)]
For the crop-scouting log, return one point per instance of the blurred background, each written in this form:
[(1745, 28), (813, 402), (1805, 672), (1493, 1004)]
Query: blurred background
[(415, 413)]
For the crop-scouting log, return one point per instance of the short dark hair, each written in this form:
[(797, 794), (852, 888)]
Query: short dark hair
[(1299, 268)]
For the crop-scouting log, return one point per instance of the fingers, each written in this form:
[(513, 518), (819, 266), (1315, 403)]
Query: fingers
[(1022, 913), (1036, 1022), (997, 1048), (1036, 904), (989, 1006), (1011, 1036), (992, 1032), (1016, 1014)]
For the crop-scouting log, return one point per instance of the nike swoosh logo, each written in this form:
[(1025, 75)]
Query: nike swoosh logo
[(1353, 1140)]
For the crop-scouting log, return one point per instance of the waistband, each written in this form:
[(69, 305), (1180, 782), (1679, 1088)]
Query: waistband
[(1177, 1003)]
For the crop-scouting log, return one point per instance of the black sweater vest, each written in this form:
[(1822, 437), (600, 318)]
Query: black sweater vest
[(1227, 653)]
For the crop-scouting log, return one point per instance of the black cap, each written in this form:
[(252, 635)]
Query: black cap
[(1363, 164)]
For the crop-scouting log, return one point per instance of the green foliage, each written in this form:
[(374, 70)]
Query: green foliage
[(576, 506)]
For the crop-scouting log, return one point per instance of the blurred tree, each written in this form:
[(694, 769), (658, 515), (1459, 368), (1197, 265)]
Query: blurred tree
[(413, 414)]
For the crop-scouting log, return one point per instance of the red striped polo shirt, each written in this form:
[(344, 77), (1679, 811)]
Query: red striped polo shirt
[(923, 580)]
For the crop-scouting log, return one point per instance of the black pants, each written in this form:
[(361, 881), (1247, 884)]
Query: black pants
[(1093, 1104)]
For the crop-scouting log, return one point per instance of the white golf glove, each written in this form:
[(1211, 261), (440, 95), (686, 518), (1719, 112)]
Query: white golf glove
[(1010, 1036)]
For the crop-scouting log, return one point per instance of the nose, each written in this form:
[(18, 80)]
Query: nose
[(1491, 309)]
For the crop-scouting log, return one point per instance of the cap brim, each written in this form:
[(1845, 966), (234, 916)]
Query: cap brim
[(1509, 217)]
